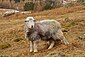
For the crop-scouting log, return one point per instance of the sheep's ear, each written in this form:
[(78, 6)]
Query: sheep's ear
[(34, 20)]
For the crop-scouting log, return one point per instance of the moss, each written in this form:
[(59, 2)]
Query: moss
[(70, 24), (18, 39), (3, 56), (4, 45)]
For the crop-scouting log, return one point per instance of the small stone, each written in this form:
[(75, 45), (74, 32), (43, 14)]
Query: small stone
[(64, 30), (82, 37)]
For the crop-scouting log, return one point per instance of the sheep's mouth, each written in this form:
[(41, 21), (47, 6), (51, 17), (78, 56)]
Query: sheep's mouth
[(31, 29)]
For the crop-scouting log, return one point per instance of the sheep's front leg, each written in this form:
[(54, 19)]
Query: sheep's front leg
[(31, 46), (51, 45), (35, 46), (25, 34)]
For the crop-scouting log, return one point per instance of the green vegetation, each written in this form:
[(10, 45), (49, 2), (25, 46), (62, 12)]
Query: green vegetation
[(48, 6), (4, 45), (3, 56), (16, 1), (58, 4), (18, 39), (70, 24), (69, 5), (82, 2), (29, 6)]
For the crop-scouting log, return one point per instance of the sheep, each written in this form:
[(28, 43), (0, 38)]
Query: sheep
[(48, 30)]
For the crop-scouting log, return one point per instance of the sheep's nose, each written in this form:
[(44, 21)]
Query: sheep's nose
[(31, 26)]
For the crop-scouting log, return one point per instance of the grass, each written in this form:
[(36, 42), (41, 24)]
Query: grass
[(18, 39), (4, 45), (70, 24), (13, 43)]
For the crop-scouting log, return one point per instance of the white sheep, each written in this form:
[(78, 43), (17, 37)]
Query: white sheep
[(48, 30)]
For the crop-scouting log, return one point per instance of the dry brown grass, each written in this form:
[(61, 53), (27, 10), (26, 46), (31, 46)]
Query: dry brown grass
[(12, 32), (52, 13), (59, 11)]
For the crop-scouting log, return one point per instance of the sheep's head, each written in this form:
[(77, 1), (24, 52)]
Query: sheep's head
[(30, 22)]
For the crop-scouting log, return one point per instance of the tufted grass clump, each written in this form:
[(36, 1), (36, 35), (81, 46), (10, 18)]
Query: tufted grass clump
[(4, 45), (18, 39)]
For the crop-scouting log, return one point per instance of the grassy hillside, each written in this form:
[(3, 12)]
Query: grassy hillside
[(13, 43)]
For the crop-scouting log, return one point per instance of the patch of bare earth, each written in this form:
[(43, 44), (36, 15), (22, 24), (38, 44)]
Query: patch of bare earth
[(13, 43)]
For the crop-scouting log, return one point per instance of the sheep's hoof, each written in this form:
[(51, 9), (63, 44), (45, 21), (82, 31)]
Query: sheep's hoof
[(50, 47), (67, 43), (48, 43), (35, 51), (30, 50)]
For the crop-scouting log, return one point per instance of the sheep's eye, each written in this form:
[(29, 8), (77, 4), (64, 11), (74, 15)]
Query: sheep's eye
[(34, 20), (26, 21)]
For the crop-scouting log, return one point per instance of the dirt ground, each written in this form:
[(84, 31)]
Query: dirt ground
[(13, 43)]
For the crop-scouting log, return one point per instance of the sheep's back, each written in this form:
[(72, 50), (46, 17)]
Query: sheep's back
[(49, 25)]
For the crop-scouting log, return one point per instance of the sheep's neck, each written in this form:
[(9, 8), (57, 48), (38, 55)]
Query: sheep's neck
[(37, 28)]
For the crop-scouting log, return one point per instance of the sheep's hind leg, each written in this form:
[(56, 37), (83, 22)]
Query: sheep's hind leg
[(31, 46), (65, 41), (48, 42), (35, 46), (61, 37), (51, 45)]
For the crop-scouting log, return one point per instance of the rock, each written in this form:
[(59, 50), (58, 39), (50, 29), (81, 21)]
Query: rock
[(82, 37), (64, 30), (9, 12)]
